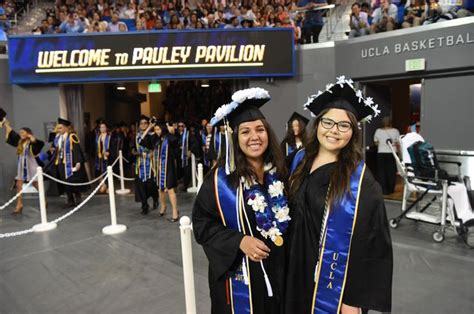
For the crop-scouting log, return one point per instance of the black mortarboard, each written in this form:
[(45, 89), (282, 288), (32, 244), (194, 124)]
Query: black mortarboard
[(64, 122), (99, 120), (51, 137), (3, 114), (297, 116), (244, 107), (143, 117), (343, 96), (122, 124)]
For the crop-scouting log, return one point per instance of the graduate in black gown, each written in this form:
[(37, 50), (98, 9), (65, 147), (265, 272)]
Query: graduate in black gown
[(67, 163), (340, 247), (145, 185), (245, 243), (102, 152), (164, 147), (295, 138), (28, 149)]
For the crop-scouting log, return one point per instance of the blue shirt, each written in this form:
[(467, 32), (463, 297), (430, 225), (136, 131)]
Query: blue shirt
[(312, 18)]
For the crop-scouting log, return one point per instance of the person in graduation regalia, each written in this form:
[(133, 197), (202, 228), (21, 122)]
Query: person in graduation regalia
[(206, 140), (340, 246), (103, 147), (164, 146), (67, 163), (219, 144), (28, 148), (241, 213), (295, 138), (145, 185)]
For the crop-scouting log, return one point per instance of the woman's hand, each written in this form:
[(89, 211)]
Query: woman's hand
[(347, 309), (254, 248)]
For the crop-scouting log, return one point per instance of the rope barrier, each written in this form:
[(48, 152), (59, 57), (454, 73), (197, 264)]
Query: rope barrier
[(72, 211), (28, 185), (124, 178), (75, 184), (94, 192)]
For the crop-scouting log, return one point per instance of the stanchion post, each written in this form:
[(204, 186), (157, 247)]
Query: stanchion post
[(188, 271), (114, 228), (193, 188), (44, 225), (122, 190), (200, 176)]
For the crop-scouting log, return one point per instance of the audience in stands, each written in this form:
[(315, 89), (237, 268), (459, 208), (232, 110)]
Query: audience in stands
[(359, 21), (384, 18), (374, 16)]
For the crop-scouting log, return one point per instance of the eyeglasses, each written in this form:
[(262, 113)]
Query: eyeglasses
[(342, 126)]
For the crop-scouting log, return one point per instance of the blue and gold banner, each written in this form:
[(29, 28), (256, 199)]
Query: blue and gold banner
[(155, 55)]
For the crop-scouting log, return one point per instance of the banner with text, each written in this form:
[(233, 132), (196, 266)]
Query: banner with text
[(151, 56)]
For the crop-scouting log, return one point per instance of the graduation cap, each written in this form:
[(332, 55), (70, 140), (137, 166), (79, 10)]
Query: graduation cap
[(243, 108), (299, 117), (64, 122), (342, 95)]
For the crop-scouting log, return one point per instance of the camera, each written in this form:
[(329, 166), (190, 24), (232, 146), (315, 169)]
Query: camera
[(153, 120)]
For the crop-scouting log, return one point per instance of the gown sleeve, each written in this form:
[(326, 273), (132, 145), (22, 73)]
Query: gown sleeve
[(12, 138), (36, 147), (220, 243), (147, 141), (369, 276)]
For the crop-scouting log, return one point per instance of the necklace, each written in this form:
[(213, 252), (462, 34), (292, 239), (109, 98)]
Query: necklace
[(271, 208)]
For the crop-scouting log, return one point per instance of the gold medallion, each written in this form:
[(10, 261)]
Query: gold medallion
[(279, 241)]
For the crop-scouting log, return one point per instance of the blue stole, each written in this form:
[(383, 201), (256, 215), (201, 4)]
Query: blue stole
[(101, 160), (331, 271), (184, 148), (24, 162), (289, 149), (143, 166), (232, 217), (66, 149), (296, 160), (163, 165), (203, 144)]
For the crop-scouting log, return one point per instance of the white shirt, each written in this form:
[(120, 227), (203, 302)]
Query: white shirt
[(382, 135)]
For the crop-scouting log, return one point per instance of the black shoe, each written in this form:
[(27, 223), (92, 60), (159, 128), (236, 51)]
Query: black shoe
[(69, 205), (155, 205), (144, 212), (173, 219)]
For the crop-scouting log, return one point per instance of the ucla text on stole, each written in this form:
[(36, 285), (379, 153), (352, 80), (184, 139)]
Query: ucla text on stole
[(151, 56)]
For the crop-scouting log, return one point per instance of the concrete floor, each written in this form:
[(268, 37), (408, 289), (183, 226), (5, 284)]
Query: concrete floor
[(77, 269)]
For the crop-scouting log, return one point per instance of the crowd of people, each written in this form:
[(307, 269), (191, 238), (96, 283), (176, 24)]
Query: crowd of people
[(120, 16), (384, 15)]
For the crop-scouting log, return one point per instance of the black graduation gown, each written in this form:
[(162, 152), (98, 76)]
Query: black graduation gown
[(145, 189), (152, 141), (58, 170), (14, 139), (369, 274), (213, 151), (221, 245)]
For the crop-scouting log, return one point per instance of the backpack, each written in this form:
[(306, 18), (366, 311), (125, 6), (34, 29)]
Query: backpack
[(424, 161)]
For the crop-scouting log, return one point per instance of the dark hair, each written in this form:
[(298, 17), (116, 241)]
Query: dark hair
[(348, 159), (365, 5), (27, 130), (355, 4), (290, 137), (273, 154)]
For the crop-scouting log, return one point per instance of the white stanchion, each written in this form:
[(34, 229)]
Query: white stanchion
[(122, 189), (114, 228), (44, 225), (200, 177), (193, 188), (186, 230)]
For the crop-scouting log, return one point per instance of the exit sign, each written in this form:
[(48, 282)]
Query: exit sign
[(415, 65), (154, 88)]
